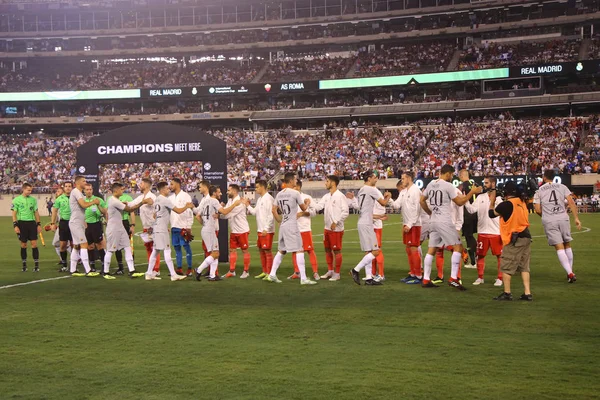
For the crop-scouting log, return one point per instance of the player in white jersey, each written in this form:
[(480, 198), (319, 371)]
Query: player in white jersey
[(240, 230), (265, 226), (367, 196), (163, 207), (458, 222), (549, 202), (305, 227), (77, 204), (147, 217), (409, 202), (117, 237), (335, 207), (181, 224), (285, 212), (437, 201), (488, 230), (378, 264), (207, 213)]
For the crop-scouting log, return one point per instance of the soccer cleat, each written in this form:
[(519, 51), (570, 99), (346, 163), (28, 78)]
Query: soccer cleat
[(478, 281), (407, 278), (135, 274), (92, 274), (355, 276), (498, 283), (295, 275), (215, 278), (230, 274), (470, 266), (335, 277), (63, 269), (504, 297), (372, 282), (316, 276), (429, 284), (308, 282), (77, 274), (244, 275), (120, 271), (455, 283), (178, 271), (273, 279), (379, 278), (189, 272), (152, 277), (438, 280), (108, 276), (178, 277), (24, 269), (526, 297), (36, 269), (414, 281), (365, 278), (198, 275), (157, 273), (571, 278), (328, 275), (261, 276), (93, 269)]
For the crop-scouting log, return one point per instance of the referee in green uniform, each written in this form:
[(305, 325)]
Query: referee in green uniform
[(93, 230), (129, 224), (26, 221), (61, 207)]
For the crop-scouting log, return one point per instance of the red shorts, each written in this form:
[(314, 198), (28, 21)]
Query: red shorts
[(333, 240), (484, 242), (265, 242), (204, 246), (238, 241), (307, 241), (379, 234), (413, 237)]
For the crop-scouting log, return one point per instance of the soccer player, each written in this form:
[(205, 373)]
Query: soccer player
[(469, 227), (409, 202), (77, 204), (163, 209), (93, 231), (56, 238), (458, 222), (207, 213), (377, 266), (117, 237), (367, 196), (488, 229), (238, 237), (180, 222), (549, 202), (147, 217), (61, 206), (436, 201), (290, 240), (305, 227), (26, 221), (336, 211), (265, 226), (129, 224)]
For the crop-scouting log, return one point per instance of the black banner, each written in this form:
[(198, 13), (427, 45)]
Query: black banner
[(565, 68), (231, 90), (156, 143), (500, 179)]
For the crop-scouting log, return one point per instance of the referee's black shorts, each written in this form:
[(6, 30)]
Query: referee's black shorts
[(127, 226), (28, 231), (64, 232), (469, 225), (94, 233)]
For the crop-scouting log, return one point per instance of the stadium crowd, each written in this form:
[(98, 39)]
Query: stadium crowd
[(346, 151)]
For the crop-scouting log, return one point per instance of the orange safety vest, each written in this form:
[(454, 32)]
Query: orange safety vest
[(518, 221)]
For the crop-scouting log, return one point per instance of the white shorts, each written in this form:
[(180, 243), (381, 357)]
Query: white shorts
[(290, 240), (425, 231), (442, 235), (117, 239), (558, 232), (162, 241), (367, 238), (210, 240), (78, 233)]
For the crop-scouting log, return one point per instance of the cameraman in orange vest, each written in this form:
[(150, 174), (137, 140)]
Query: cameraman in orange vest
[(514, 230)]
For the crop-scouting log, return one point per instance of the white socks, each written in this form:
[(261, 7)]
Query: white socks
[(427, 267), (564, 261), (107, 258), (168, 260), (151, 261), (205, 264), (213, 268), (129, 259), (74, 259), (301, 265), (456, 256), (366, 262), (569, 252), (276, 263)]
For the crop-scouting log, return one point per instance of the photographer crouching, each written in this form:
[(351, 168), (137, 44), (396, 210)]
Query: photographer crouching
[(514, 230)]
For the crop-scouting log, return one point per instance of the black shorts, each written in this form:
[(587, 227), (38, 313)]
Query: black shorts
[(94, 233), (28, 231), (469, 228), (127, 227), (64, 232)]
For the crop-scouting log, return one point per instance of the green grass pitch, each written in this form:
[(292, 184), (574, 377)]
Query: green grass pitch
[(83, 338)]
